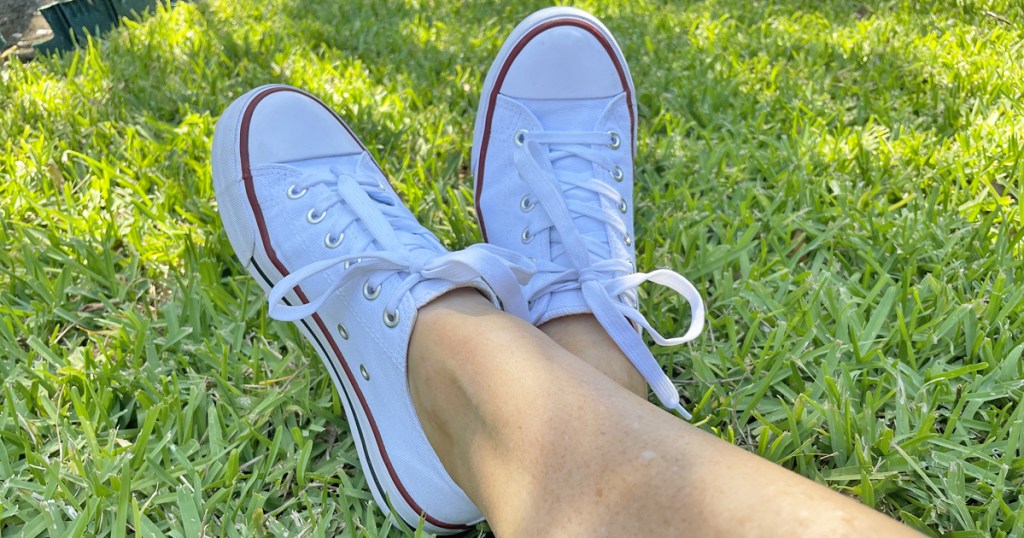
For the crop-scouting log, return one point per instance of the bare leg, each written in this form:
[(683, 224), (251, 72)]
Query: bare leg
[(584, 337), (548, 446)]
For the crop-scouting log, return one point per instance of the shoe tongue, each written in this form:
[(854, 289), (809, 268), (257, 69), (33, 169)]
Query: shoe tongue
[(355, 165), (577, 115), (425, 241)]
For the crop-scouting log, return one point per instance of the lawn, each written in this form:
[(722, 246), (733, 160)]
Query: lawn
[(840, 179)]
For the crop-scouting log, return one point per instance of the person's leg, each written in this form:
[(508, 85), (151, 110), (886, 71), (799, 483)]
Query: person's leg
[(584, 337), (546, 445)]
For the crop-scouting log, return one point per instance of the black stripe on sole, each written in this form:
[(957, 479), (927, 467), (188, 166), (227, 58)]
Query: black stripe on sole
[(352, 421)]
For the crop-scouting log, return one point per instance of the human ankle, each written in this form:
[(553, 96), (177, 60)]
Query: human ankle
[(584, 337), (440, 348)]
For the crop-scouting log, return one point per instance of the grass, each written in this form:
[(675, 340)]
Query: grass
[(840, 179)]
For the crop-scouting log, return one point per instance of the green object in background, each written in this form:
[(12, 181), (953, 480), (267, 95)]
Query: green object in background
[(72, 20), (54, 16), (131, 8), (87, 17)]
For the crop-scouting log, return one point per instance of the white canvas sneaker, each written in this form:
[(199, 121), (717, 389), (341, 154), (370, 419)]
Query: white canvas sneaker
[(553, 152), (315, 222)]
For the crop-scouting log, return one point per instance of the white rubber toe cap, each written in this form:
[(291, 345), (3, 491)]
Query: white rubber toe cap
[(288, 126), (562, 62)]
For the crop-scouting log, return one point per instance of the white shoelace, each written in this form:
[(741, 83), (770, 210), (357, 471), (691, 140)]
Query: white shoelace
[(395, 242), (606, 284)]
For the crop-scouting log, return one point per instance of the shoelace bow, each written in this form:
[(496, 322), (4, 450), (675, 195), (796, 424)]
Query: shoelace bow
[(395, 243), (606, 284)]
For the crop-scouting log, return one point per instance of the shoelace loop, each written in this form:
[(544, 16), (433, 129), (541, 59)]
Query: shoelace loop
[(394, 243), (604, 283)]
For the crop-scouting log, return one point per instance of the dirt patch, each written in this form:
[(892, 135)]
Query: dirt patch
[(15, 16)]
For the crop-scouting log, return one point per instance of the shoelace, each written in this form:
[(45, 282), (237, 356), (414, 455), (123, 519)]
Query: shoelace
[(600, 280), (396, 243)]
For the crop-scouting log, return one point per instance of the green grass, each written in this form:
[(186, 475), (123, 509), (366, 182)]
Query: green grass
[(840, 179)]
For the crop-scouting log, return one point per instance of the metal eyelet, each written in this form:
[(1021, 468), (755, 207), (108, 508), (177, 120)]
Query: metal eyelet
[(618, 174), (628, 240), (622, 205), (380, 187), (312, 217), (616, 140), (294, 194), (526, 235), (370, 293), (342, 332), (364, 372), (520, 137), (526, 205), (391, 320), (333, 242), (350, 263)]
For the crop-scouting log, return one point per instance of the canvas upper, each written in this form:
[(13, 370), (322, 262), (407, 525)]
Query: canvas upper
[(553, 154), (315, 222)]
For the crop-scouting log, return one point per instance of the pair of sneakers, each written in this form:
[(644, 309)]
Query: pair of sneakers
[(313, 219)]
